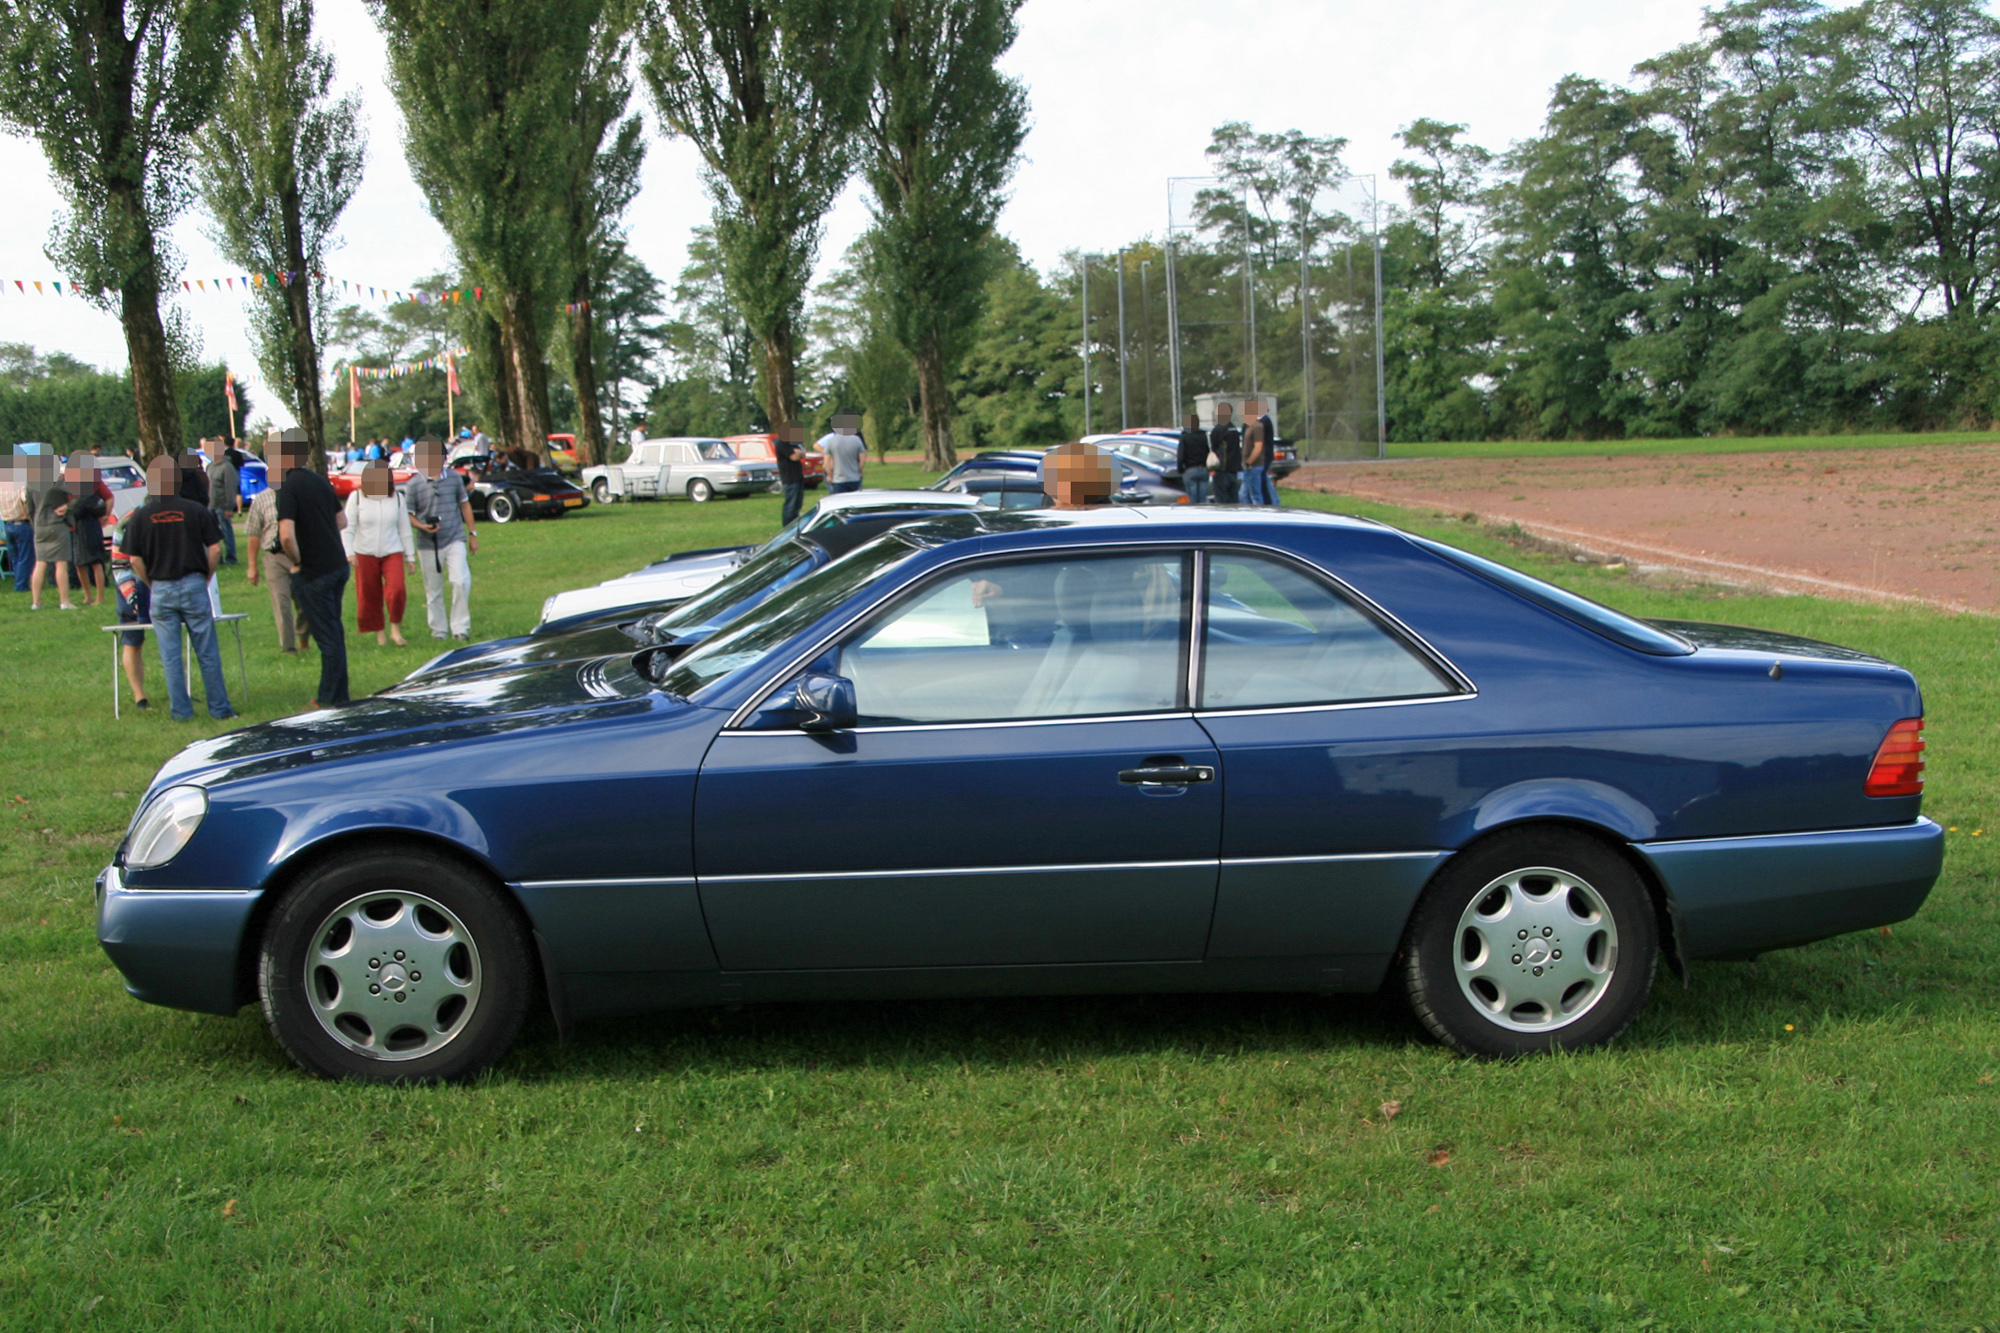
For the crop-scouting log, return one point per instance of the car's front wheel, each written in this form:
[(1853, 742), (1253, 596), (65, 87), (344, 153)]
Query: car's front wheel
[(501, 509), (700, 491), (600, 490), (1533, 941), (395, 966)]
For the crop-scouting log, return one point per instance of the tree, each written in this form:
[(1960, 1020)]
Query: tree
[(284, 160), (711, 387), (944, 131), (862, 364), (115, 98), (604, 178), (60, 401), (629, 334), (1020, 382), (772, 94), (412, 404), (489, 97)]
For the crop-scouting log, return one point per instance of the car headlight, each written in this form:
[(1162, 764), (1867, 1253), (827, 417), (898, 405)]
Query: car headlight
[(165, 826)]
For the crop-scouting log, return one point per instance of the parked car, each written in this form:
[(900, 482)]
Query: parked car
[(1118, 749), (678, 624), (1284, 453), (697, 468), (678, 577), (127, 481), (562, 453), (346, 479), (1138, 484), (765, 448), (502, 492), (1000, 490)]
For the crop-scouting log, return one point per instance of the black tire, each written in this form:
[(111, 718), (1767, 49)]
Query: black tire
[(600, 490), (448, 918), (501, 508), (700, 491), (1477, 961)]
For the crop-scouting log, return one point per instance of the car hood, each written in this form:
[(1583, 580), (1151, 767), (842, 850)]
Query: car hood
[(425, 711), (1744, 638)]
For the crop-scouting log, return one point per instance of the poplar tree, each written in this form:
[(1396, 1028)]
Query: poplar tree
[(944, 132), (488, 91), (114, 94), (772, 93), (282, 160)]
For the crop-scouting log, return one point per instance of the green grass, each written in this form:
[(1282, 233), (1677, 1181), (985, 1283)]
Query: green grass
[(1808, 1142), (1758, 444)]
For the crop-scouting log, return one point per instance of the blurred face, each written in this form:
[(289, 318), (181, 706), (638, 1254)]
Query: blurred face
[(41, 468), (163, 477), (1078, 475), (794, 433), (1223, 414), (846, 423), (376, 479), (430, 458)]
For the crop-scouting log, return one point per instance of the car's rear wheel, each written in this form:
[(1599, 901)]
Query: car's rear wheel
[(700, 491), (395, 966), (501, 509), (600, 490), (1537, 940)]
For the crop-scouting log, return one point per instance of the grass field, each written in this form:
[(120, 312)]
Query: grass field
[(1748, 444), (1808, 1142)]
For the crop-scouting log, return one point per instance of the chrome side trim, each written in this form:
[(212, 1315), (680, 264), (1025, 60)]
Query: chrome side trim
[(952, 871), (981, 726), (1329, 708), (1917, 823), (662, 880), (1333, 858)]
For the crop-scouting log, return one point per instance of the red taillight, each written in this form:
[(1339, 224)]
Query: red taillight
[(1899, 763)]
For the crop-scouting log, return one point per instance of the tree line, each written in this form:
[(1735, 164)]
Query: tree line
[(520, 130)]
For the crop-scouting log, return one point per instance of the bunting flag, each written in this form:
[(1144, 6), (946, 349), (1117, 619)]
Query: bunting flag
[(447, 361), (284, 279)]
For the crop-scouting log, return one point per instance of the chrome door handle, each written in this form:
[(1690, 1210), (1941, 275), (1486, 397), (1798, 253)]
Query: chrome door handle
[(1167, 775)]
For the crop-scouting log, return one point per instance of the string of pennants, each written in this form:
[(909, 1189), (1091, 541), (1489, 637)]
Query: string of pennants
[(396, 368), (258, 281)]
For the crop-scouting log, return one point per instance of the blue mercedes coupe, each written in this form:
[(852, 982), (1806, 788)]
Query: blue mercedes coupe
[(1036, 752)]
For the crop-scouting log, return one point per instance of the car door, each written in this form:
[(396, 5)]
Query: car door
[(1320, 707), (1025, 784)]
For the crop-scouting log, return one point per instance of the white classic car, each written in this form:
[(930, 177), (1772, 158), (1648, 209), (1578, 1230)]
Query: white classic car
[(698, 468)]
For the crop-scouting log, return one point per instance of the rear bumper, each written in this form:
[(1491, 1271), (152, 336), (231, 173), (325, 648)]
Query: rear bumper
[(1744, 895), (174, 947), (748, 486)]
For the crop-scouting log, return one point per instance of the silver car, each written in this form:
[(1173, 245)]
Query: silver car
[(697, 467)]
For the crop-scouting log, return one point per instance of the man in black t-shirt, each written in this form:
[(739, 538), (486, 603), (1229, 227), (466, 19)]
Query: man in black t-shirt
[(790, 446), (1226, 443), (309, 522), (174, 545)]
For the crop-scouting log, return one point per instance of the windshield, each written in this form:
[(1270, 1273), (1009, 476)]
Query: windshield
[(715, 451), (786, 612), (754, 580), (1153, 453)]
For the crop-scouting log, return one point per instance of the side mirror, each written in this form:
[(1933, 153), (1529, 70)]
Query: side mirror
[(826, 702)]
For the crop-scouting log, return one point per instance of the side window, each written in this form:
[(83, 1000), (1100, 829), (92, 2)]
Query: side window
[(1025, 639), (1276, 636)]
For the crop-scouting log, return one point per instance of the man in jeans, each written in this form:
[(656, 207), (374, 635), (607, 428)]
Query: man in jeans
[(790, 446), (441, 514), (309, 524), (19, 513), (222, 492), (174, 545), (845, 451)]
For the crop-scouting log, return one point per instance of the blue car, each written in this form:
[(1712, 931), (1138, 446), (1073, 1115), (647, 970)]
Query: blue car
[(1034, 752)]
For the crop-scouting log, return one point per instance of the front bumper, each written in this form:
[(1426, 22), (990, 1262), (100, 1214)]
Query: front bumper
[(1735, 896), (747, 486), (175, 947)]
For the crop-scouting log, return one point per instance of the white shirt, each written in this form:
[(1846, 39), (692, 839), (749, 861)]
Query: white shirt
[(378, 525)]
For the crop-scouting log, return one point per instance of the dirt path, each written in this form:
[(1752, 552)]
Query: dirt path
[(1918, 524)]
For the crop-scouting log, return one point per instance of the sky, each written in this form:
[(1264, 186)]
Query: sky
[(1123, 95)]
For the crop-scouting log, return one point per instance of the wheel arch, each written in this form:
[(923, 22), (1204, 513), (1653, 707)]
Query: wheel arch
[(310, 857)]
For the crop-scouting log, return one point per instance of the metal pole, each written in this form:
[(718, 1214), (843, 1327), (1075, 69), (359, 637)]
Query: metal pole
[(1086, 343), (1124, 398), (1146, 321), (1381, 391), (1249, 294), (1173, 337), (1305, 334)]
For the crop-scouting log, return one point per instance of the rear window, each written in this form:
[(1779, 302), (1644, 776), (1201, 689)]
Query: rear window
[(1594, 616)]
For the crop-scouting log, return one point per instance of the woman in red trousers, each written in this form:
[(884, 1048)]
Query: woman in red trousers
[(378, 541)]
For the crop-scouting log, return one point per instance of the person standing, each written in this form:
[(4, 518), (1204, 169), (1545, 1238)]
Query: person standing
[(89, 503), (441, 512), (1256, 465), (378, 540), (309, 524), (18, 511), (790, 447), (135, 607), (55, 544), (845, 454), (1256, 408), (638, 433), (260, 531), (174, 545), (1225, 444), (224, 498), (194, 478), (1193, 460), (481, 443)]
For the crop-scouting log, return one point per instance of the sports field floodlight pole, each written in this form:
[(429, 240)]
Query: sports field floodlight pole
[(1084, 262), (1249, 293), (1173, 336), (1124, 398), (1146, 322), (1305, 327), (1381, 390)]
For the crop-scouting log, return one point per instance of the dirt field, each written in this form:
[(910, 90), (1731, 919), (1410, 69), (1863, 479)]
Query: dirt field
[(1915, 524)]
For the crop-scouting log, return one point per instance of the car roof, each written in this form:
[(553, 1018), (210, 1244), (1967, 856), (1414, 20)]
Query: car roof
[(884, 499), (684, 439), (1189, 522)]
